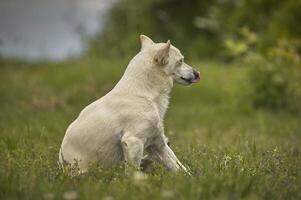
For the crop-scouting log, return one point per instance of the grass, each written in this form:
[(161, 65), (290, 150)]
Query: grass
[(234, 151)]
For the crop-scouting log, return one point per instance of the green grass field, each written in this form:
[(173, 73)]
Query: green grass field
[(233, 151)]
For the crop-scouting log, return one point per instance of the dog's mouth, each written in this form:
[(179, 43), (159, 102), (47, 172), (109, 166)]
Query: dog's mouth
[(191, 80), (194, 79)]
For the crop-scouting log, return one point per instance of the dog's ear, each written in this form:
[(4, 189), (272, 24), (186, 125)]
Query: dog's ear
[(145, 41), (162, 56)]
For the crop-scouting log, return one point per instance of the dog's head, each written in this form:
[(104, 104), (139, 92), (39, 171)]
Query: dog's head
[(170, 60)]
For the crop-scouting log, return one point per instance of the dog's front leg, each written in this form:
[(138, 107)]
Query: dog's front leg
[(132, 149), (167, 157)]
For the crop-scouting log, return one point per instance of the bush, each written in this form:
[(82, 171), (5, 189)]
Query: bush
[(275, 74), (197, 27), (277, 79)]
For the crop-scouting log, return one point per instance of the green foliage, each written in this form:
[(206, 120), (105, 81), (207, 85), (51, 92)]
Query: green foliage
[(275, 75), (238, 47), (197, 27), (232, 152), (126, 21)]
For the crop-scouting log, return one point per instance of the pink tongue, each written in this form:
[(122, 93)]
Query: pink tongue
[(195, 80)]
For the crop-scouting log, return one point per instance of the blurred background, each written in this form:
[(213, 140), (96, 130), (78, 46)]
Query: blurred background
[(263, 35), (43, 29), (52, 30), (240, 126)]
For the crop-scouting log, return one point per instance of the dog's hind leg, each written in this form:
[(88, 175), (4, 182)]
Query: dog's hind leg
[(132, 149)]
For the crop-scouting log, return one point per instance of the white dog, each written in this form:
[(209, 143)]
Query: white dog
[(127, 123)]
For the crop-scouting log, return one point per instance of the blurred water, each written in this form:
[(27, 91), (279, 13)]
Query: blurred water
[(48, 29)]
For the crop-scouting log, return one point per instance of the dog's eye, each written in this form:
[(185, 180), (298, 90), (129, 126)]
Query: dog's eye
[(181, 61)]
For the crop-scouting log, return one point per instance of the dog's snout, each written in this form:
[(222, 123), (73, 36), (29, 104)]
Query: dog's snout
[(196, 74)]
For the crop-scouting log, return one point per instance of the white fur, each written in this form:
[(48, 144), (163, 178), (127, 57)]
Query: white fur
[(127, 123)]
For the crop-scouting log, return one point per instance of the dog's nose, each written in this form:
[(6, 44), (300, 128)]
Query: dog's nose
[(196, 74)]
